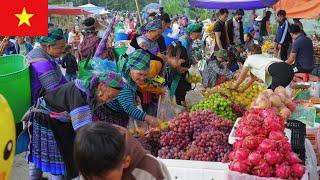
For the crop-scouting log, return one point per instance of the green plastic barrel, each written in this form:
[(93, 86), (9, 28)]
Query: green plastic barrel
[(119, 51), (15, 84)]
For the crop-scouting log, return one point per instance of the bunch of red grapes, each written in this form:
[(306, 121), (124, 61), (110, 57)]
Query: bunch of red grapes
[(200, 135)]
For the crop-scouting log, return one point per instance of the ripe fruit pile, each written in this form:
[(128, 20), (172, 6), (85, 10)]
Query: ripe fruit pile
[(218, 104), (200, 135), (267, 45), (278, 99), (243, 99), (194, 79), (263, 149)]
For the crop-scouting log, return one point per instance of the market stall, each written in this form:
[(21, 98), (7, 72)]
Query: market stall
[(65, 16), (232, 4)]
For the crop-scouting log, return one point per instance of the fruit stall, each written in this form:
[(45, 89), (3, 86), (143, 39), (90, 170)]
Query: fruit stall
[(225, 134)]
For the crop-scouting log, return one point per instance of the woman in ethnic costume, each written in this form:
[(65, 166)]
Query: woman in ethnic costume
[(45, 73), (118, 111), (60, 113)]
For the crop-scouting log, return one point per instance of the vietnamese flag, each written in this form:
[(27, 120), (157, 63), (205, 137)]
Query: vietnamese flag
[(24, 17)]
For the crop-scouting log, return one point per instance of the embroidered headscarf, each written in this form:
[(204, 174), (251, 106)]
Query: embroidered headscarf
[(54, 35), (108, 78), (221, 54), (195, 27)]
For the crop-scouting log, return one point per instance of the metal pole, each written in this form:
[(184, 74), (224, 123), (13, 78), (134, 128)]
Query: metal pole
[(138, 10)]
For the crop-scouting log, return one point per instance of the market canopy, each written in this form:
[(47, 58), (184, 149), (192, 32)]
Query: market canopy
[(307, 9), (232, 4), (66, 11), (93, 9)]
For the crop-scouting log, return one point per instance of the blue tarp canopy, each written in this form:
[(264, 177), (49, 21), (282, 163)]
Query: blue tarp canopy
[(232, 4)]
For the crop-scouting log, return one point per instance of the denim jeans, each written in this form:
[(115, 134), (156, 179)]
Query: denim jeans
[(71, 77)]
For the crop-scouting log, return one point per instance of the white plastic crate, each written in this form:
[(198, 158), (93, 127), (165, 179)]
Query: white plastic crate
[(196, 170)]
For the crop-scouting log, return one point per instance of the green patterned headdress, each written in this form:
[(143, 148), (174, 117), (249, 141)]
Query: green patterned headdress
[(108, 78), (194, 27), (138, 60), (53, 36)]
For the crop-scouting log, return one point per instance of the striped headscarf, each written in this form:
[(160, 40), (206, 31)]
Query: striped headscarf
[(54, 35)]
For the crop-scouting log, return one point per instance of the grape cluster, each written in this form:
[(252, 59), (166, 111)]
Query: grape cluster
[(200, 135), (218, 104), (151, 142)]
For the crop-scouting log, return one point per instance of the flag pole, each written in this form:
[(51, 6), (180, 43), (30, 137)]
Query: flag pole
[(139, 17)]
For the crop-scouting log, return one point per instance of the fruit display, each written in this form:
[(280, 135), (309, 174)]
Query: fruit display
[(199, 135), (243, 99), (194, 78), (278, 99), (218, 104), (267, 45), (263, 149)]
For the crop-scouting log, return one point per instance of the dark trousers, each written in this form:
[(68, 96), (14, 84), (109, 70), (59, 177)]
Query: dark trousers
[(282, 74), (284, 52)]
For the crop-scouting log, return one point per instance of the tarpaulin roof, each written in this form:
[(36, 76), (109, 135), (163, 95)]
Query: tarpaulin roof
[(232, 4), (67, 11), (93, 9), (306, 9)]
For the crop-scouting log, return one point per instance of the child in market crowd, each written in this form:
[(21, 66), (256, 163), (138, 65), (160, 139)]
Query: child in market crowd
[(177, 76), (69, 62), (104, 151), (216, 69)]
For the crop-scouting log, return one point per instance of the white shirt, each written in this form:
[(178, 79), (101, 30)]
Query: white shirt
[(236, 32), (258, 65)]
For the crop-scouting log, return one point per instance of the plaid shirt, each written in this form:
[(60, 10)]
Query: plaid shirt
[(212, 71)]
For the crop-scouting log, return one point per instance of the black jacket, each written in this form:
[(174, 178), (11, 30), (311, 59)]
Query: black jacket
[(230, 31), (70, 63)]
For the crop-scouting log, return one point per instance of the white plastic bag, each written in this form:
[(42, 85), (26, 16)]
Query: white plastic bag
[(194, 75), (311, 160), (193, 97), (165, 110)]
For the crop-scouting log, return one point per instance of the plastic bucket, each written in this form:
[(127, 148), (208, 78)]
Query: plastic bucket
[(119, 51), (169, 40), (15, 84), (120, 36)]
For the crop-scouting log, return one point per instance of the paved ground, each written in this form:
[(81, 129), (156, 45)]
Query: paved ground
[(20, 168)]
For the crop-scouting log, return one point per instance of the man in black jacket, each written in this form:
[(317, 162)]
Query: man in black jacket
[(70, 63), (235, 28)]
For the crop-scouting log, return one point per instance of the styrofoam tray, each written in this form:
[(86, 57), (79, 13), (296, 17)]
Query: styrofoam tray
[(196, 170)]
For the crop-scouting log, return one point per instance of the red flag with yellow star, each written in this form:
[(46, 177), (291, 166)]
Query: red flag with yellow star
[(24, 17)]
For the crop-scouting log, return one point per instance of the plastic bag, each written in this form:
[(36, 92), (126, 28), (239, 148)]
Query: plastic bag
[(192, 98), (304, 114), (313, 135), (194, 75), (165, 110), (99, 65), (137, 128), (311, 160)]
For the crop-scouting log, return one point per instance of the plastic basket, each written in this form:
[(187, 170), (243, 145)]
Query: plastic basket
[(298, 135), (15, 84)]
